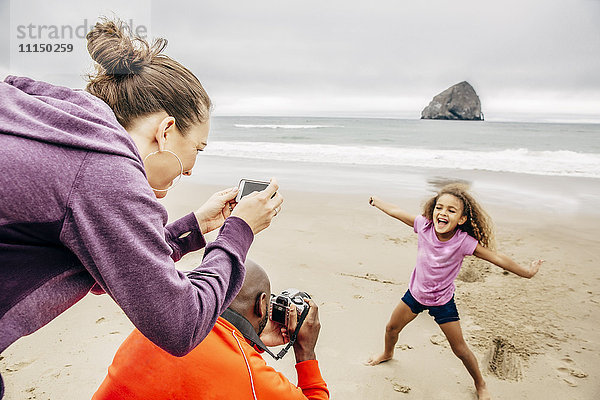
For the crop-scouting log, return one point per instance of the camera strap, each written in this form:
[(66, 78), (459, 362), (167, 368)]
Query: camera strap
[(294, 336), (247, 330)]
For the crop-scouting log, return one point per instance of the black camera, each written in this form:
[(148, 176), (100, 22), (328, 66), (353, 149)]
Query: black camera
[(279, 310)]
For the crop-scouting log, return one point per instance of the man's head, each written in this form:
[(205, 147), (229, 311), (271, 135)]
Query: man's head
[(252, 302)]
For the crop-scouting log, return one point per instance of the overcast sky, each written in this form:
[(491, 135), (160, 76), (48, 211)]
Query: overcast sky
[(375, 58)]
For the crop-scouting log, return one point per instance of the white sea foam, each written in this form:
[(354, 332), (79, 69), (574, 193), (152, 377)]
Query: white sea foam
[(284, 126), (560, 163)]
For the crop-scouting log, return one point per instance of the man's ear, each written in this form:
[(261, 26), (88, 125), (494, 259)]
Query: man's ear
[(165, 128), (260, 305)]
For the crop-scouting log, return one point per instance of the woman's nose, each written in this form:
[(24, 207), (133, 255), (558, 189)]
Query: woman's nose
[(187, 173)]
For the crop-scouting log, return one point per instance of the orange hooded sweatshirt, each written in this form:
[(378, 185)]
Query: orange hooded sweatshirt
[(223, 366)]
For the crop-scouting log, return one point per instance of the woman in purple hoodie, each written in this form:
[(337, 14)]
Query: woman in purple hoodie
[(80, 172)]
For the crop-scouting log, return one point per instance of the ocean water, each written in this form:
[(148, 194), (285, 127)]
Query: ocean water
[(557, 164), (533, 148)]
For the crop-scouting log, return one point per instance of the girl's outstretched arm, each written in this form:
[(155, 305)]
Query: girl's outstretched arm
[(392, 210), (507, 263)]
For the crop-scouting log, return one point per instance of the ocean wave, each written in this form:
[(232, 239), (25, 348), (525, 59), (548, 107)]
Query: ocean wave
[(561, 163), (285, 126)]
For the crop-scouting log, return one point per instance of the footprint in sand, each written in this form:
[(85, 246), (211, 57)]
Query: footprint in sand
[(404, 347), (401, 388), (18, 365), (402, 240), (439, 340), (570, 382), (569, 368), (398, 387), (51, 373), (577, 373)]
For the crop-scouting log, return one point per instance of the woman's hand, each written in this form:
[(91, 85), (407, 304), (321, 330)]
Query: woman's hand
[(259, 208), (217, 208)]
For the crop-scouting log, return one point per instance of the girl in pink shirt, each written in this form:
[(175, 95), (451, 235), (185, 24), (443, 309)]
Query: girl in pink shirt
[(452, 226)]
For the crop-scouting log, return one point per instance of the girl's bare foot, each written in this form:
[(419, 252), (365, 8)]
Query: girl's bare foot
[(379, 359), (482, 392)]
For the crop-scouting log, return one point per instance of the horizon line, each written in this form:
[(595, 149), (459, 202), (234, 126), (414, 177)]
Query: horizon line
[(577, 119)]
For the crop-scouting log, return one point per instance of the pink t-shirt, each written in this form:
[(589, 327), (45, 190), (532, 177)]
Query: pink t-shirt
[(438, 263)]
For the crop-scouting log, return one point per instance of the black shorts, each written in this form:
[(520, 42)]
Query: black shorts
[(441, 314)]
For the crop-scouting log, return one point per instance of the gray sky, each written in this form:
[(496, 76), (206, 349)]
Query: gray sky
[(380, 58)]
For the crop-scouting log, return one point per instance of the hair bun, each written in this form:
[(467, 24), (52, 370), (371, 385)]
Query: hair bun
[(112, 46)]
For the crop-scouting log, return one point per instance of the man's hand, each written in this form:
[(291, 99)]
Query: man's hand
[(304, 348), (276, 334), (217, 208)]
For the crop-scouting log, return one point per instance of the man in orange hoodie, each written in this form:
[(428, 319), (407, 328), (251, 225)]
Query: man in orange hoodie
[(226, 364)]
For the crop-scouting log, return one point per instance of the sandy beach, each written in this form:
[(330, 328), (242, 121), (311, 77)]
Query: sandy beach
[(534, 339)]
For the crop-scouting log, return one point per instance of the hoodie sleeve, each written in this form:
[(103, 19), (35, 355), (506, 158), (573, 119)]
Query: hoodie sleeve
[(116, 227), (184, 236)]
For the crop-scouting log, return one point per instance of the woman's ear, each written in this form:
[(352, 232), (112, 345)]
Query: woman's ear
[(165, 128), (261, 305)]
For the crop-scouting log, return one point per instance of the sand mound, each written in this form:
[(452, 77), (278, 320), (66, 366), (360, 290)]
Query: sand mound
[(473, 270), (503, 361)]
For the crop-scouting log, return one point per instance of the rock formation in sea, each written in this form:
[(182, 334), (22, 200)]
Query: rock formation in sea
[(457, 102)]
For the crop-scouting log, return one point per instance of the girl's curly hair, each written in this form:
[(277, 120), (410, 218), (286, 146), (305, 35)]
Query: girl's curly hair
[(478, 224)]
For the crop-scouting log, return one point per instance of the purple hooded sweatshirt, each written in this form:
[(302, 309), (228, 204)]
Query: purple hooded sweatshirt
[(76, 209)]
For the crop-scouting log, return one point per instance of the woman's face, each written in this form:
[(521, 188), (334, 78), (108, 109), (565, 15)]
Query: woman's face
[(163, 168)]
